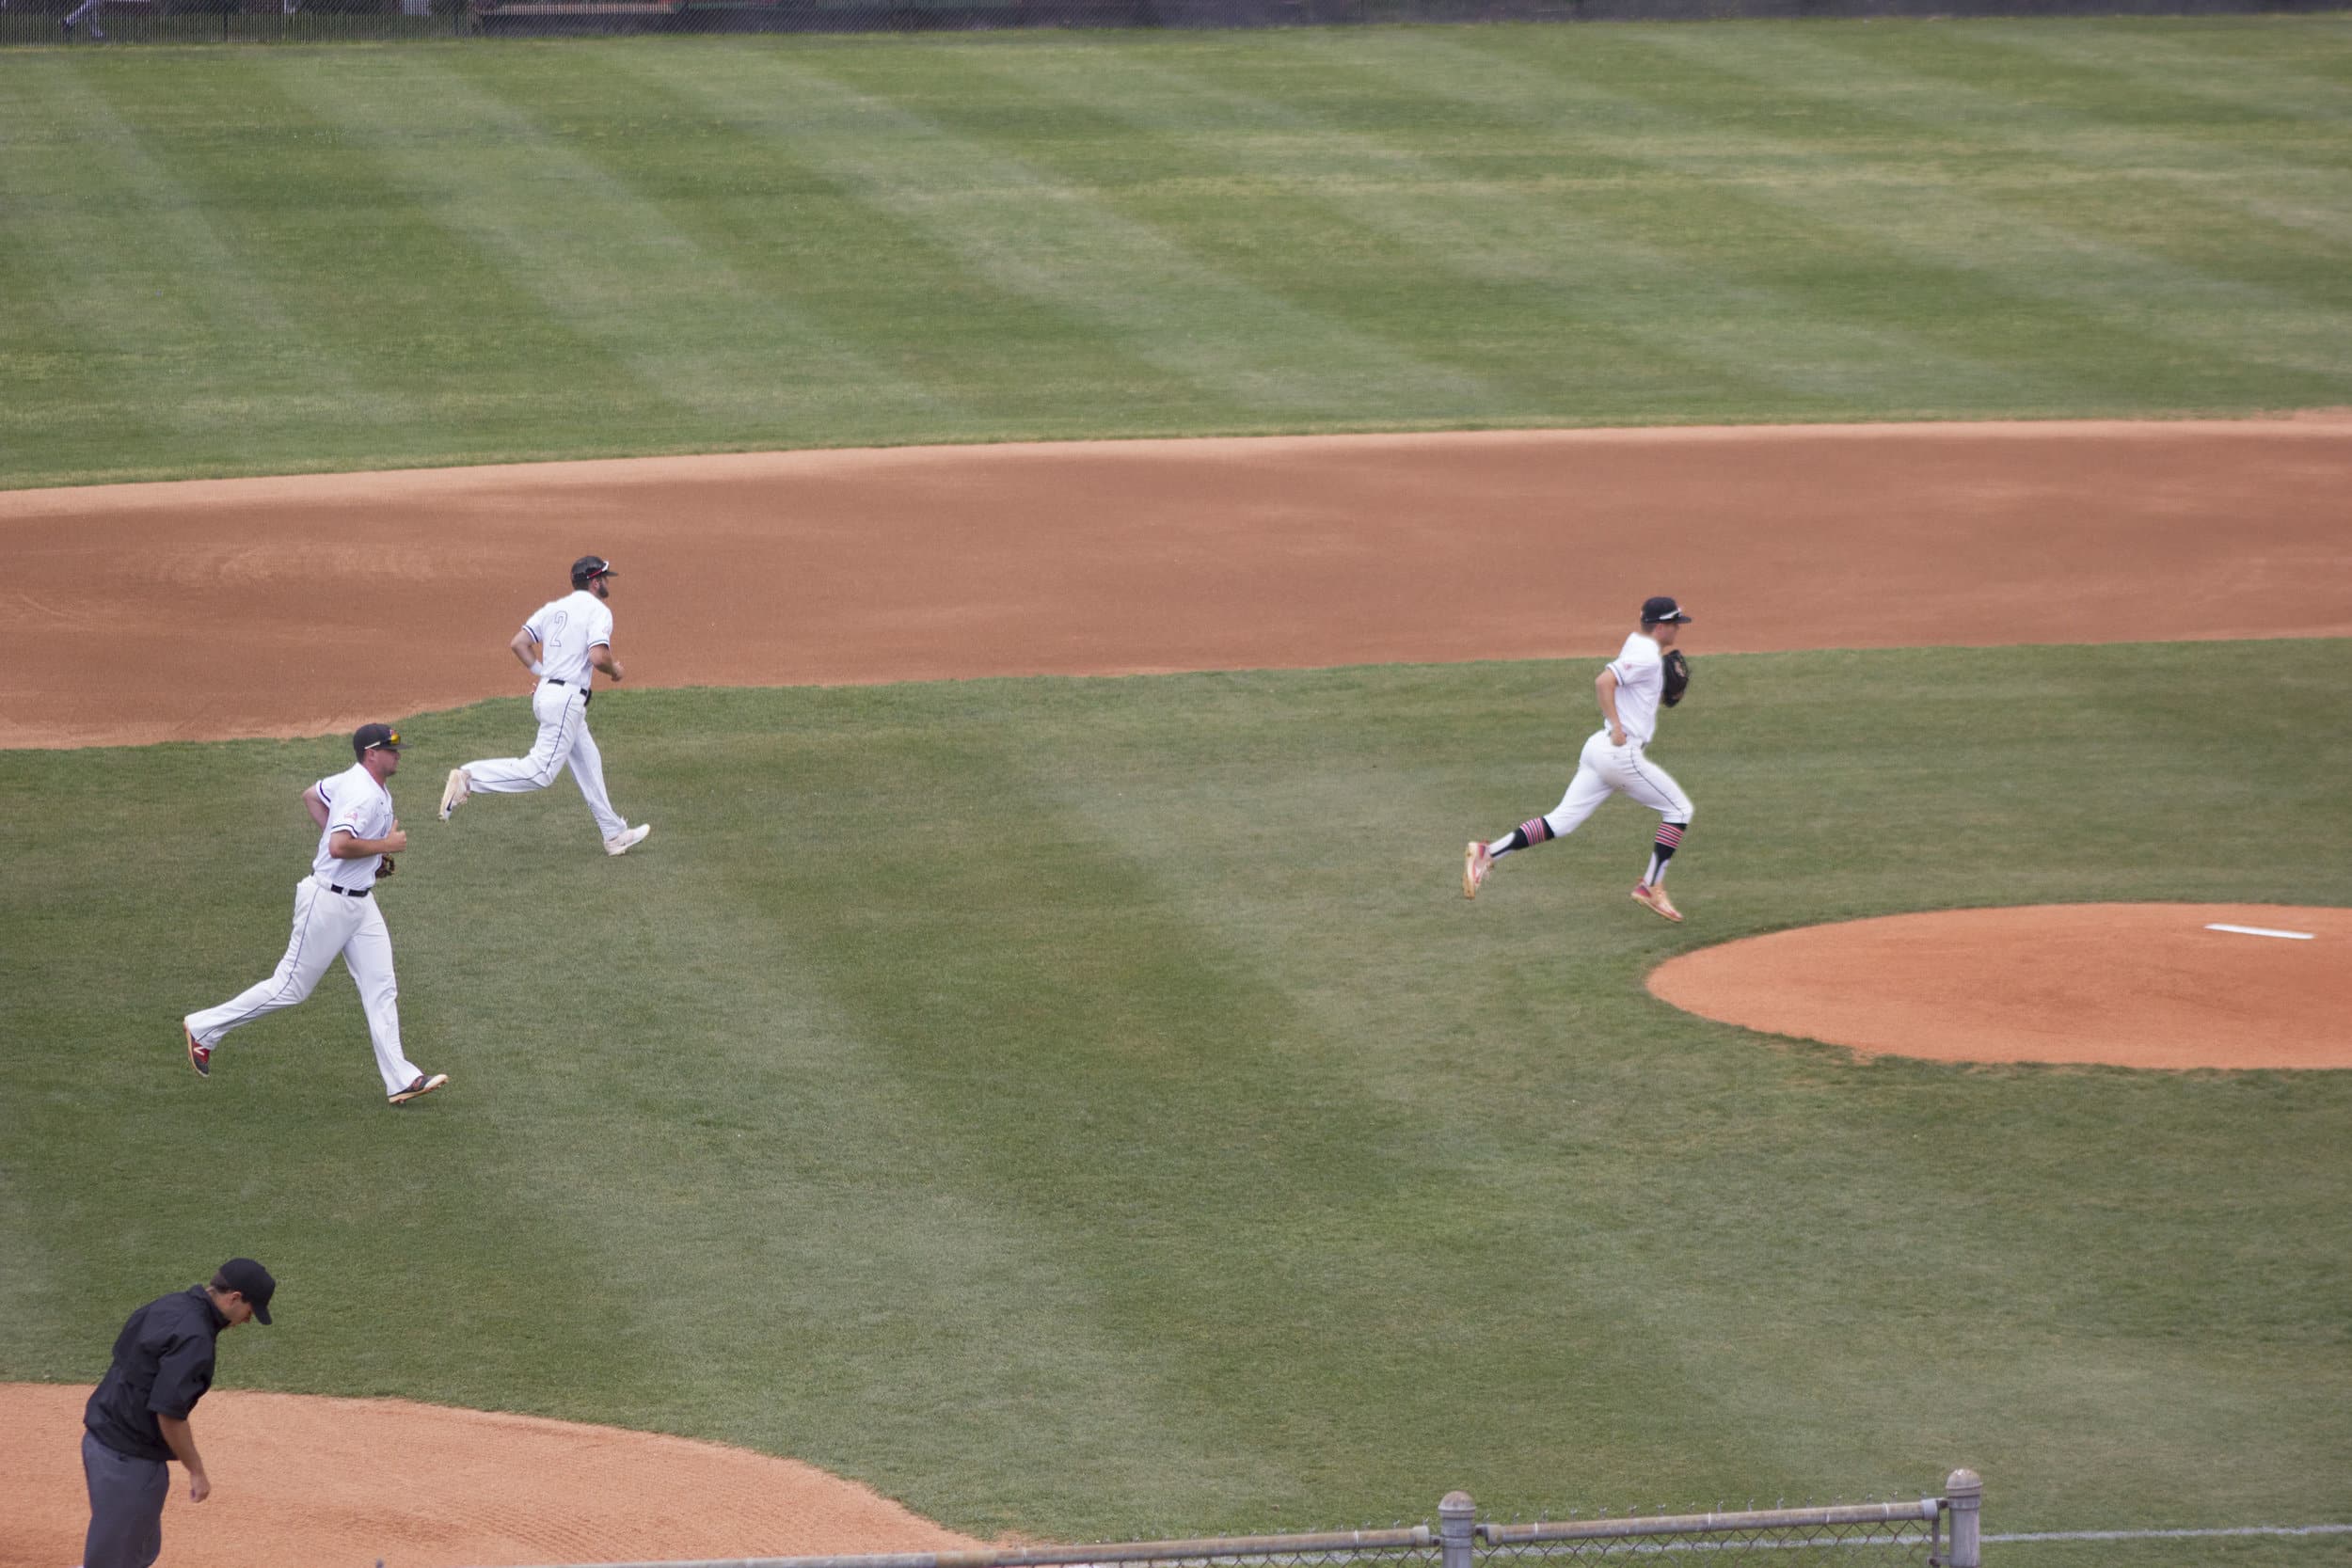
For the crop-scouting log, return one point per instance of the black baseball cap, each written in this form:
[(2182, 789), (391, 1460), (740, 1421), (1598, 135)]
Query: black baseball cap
[(588, 568), (369, 737), (250, 1280), (1660, 608)]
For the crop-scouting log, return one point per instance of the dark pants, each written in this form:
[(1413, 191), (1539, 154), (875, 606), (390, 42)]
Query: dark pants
[(126, 1507)]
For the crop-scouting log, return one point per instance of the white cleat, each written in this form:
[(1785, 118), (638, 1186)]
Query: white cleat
[(425, 1084), (622, 844), (456, 792)]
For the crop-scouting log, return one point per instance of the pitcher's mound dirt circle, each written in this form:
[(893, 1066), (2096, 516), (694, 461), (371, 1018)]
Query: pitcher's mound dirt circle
[(301, 1482), (2119, 985)]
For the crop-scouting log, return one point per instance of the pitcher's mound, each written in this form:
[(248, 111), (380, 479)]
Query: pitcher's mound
[(2122, 985), (300, 1481)]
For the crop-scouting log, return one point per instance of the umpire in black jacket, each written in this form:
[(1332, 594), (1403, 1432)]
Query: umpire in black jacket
[(137, 1419)]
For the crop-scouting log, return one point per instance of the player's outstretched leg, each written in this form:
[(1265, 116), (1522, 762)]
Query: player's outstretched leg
[(561, 719), (322, 922), (1585, 793)]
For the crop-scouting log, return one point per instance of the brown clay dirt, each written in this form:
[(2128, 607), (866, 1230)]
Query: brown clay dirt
[(302, 1482), (302, 606), (2122, 985)]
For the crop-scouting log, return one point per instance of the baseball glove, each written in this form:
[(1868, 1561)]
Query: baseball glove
[(383, 866), (1677, 675)]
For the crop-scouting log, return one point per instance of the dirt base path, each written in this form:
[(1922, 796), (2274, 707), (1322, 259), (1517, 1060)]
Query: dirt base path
[(2122, 985), (340, 1483), (300, 606)]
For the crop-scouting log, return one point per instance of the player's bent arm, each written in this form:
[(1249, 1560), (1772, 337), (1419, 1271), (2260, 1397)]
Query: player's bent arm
[(316, 807), (181, 1439), (525, 648), (347, 845), (601, 656), (1606, 685)]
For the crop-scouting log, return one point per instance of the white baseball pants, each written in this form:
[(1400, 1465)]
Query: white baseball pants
[(564, 737), (327, 924), (1603, 771)]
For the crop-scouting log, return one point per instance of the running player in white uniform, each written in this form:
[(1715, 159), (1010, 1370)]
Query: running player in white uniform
[(335, 912), (1613, 763), (561, 645)]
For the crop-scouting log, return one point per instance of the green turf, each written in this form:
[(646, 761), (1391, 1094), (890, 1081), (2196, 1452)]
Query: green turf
[(246, 260), (1088, 1107)]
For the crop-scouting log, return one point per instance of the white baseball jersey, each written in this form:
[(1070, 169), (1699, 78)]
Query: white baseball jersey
[(357, 805), (566, 628), (1641, 671)]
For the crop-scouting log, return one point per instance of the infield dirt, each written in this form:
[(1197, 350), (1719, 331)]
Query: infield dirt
[(299, 606)]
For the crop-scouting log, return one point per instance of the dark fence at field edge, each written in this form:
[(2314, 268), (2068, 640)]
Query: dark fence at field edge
[(1926, 1532), (119, 22)]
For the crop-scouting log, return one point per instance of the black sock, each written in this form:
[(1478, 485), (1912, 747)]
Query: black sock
[(1669, 840)]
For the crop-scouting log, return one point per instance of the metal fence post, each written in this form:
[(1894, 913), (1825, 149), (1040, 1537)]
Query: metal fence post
[(1965, 1491), (1456, 1528)]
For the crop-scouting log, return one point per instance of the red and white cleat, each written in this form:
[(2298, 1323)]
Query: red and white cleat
[(1477, 864), (1655, 899)]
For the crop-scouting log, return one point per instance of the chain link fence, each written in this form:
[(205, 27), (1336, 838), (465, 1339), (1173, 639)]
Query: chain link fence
[(1925, 1533)]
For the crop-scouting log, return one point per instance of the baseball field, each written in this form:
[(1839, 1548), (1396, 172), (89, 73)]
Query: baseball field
[(1041, 1070)]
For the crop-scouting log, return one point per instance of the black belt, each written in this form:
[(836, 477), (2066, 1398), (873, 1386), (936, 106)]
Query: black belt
[(585, 695), (349, 891)]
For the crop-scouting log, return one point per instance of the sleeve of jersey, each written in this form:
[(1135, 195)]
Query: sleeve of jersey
[(600, 634), (183, 1372)]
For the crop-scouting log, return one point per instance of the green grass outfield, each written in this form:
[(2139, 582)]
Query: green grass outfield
[(263, 259), (1088, 1107)]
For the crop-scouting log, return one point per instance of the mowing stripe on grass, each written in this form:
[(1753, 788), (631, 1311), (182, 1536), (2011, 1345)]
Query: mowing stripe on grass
[(153, 278), (595, 252), (2067, 264), (1088, 1106), (2194, 63), (1935, 332), (1929, 223), (1065, 248), (1956, 92), (1466, 231)]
